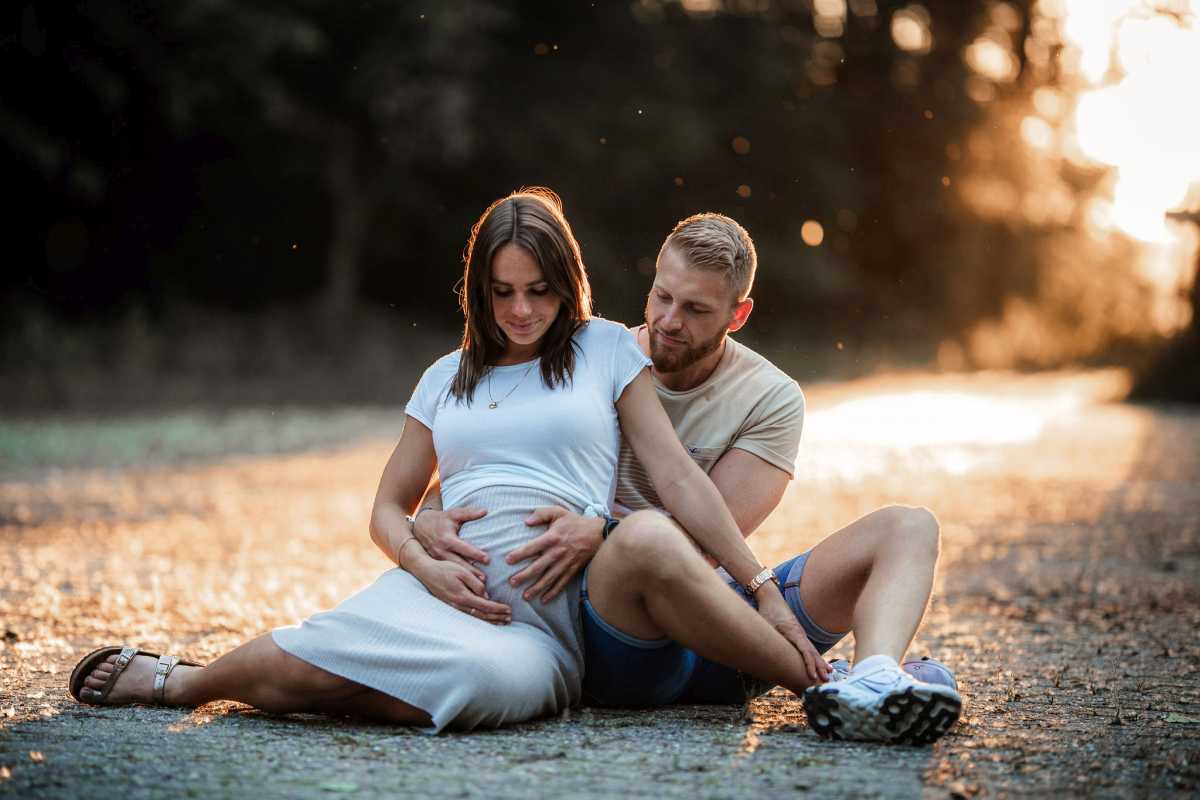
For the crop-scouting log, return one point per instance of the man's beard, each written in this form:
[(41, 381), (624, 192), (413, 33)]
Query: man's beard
[(675, 360)]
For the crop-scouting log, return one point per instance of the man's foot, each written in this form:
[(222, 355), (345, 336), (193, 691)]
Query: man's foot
[(880, 702), (925, 669), (132, 683)]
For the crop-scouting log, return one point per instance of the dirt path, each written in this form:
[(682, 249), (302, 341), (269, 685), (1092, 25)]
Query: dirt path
[(1068, 604)]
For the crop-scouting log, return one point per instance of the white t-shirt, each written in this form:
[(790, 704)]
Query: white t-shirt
[(564, 440)]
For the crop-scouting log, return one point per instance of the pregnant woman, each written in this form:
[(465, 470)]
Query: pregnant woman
[(527, 413)]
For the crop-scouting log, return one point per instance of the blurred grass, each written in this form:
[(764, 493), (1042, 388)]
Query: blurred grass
[(35, 445), (187, 357)]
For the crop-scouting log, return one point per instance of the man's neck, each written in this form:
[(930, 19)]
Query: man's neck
[(688, 377)]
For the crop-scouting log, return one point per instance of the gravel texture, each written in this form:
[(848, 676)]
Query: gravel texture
[(1067, 603)]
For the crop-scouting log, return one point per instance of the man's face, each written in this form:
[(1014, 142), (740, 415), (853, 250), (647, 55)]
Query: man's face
[(688, 313)]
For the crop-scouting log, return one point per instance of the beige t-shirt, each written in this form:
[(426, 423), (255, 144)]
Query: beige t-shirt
[(747, 403)]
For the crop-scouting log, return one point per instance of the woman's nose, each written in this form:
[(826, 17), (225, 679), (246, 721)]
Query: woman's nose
[(521, 306)]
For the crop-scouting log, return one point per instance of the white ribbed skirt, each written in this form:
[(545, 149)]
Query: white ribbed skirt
[(395, 637)]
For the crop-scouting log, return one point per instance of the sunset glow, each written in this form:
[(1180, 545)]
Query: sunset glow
[(1130, 57)]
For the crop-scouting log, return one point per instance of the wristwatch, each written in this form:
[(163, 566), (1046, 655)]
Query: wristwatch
[(609, 524), (758, 580)]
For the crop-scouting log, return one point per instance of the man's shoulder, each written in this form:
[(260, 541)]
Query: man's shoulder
[(747, 365)]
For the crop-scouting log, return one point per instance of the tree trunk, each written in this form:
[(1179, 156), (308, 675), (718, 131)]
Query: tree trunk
[(350, 209), (1174, 376)]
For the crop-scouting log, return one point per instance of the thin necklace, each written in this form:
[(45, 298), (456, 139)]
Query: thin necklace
[(495, 402)]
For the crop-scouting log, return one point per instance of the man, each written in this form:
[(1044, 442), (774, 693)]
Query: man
[(658, 624)]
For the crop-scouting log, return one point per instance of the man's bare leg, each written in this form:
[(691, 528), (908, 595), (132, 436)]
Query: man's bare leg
[(874, 577), (261, 674), (649, 581)]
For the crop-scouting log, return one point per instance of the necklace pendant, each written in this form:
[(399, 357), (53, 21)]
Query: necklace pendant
[(493, 404)]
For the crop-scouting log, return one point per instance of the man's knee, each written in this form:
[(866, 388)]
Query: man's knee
[(649, 545), (914, 527)]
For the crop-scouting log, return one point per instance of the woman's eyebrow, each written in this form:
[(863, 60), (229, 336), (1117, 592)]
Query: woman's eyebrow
[(509, 285)]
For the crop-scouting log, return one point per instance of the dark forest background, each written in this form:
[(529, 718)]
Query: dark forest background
[(267, 201)]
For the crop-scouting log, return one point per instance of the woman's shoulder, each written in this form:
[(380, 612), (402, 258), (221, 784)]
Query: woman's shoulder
[(445, 366), (601, 331)]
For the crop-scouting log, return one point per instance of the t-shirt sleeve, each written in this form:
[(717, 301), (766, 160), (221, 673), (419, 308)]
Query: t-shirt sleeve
[(430, 392), (773, 433), (628, 361)]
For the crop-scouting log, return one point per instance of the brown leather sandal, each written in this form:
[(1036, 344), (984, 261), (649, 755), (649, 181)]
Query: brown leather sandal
[(124, 656)]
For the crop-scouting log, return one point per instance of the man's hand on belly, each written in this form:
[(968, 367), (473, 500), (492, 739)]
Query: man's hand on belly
[(559, 553)]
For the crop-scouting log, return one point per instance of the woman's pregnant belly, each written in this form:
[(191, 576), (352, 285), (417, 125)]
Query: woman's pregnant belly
[(500, 532)]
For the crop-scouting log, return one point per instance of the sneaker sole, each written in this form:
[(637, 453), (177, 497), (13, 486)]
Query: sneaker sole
[(916, 716)]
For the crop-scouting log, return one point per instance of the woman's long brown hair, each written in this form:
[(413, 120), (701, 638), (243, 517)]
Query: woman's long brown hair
[(533, 219)]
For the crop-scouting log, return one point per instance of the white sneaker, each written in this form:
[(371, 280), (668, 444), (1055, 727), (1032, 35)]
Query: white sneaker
[(880, 702)]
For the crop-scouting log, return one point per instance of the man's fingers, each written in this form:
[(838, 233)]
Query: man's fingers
[(532, 573), (466, 513), (544, 515), (558, 586), (544, 583), (528, 550), (466, 551)]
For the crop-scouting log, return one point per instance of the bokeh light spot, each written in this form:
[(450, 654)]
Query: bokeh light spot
[(812, 233), (910, 29)]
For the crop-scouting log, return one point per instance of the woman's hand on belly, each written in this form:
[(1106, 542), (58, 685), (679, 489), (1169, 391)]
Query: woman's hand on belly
[(457, 585)]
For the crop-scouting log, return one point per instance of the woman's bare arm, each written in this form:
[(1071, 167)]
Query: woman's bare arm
[(400, 489), (401, 486), (682, 486)]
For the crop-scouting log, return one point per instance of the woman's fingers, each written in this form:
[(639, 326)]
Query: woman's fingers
[(487, 610), (467, 565), (475, 583), (453, 545), (810, 663)]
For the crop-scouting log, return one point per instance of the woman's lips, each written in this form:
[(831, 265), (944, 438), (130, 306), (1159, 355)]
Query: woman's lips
[(525, 328)]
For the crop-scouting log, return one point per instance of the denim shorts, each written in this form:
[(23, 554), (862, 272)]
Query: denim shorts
[(624, 671)]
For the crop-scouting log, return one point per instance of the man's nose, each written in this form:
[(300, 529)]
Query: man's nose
[(672, 320)]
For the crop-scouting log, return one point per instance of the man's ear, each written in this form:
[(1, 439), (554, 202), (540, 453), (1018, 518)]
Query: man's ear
[(741, 313)]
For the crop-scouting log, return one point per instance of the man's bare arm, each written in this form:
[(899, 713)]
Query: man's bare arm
[(750, 486)]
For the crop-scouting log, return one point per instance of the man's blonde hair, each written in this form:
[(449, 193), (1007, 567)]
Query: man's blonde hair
[(715, 242)]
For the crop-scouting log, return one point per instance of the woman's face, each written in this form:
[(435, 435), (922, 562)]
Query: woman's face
[(521, 300)]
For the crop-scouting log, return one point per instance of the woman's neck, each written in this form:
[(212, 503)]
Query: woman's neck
[(518, 354)]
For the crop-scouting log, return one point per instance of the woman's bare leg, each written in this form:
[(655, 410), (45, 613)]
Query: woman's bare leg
[(258, 673)]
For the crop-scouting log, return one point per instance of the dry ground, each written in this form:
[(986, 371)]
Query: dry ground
[(1067, 604)]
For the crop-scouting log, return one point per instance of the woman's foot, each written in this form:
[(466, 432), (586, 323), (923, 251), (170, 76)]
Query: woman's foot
[(135, 683)]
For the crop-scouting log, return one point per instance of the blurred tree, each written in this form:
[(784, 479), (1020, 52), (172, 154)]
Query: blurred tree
[(362, 99)]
